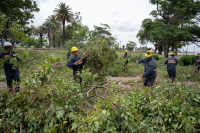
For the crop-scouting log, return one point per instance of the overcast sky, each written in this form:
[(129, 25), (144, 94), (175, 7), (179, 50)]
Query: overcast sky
[(123, 16)]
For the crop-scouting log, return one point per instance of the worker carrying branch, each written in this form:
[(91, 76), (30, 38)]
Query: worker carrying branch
[(150, 73), (171, 63), (76, 64), (12, 72), (197, 63), (126, 60)]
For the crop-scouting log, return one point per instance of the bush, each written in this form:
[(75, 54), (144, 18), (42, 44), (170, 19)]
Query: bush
[(187, 60), (47, 45), (136, 57), (102, 60), (156, 57)]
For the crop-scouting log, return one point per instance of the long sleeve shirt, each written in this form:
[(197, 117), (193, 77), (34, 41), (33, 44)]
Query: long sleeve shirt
[(76, 67), (171, 63), (197, 62), (126, 55), (7, 64), (150, 68)]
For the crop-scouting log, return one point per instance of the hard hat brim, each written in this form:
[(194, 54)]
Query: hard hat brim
[(148, 55)]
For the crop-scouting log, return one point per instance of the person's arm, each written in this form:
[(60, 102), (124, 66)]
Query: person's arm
[(150, 69), (71, 63), (166, 61), (195, 63), (142, 60), (18, 59)]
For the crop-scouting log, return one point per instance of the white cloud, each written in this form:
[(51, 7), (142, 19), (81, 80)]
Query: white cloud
[(123, 16)]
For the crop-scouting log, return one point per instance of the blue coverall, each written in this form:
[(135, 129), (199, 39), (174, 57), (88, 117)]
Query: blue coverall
[(171, 63), (198, 64), (150, 73), (11, 72), (76, 68), (126, 57)]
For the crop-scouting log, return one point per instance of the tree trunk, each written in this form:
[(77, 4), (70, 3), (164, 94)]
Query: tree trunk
[(172, 47), (160, 49), (156, 47), (41, 40), (166, 50), (54, 42), (49, 40), (176, 51), (63, 31), (2, 42)]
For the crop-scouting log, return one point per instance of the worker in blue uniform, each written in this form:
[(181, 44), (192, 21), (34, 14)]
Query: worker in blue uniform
[(11, 71), (150, 73), (197, 63), (171, 63), (126, 60), (76, 64)]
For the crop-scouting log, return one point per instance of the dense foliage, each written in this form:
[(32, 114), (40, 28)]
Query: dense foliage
[(156, 57), (187, 60)]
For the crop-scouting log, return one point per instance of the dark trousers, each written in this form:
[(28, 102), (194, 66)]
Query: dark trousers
[(125, 66), (12, 74), (149, 81), (77, 77), (172, 74)]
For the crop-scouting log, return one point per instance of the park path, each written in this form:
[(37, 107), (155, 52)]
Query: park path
[(137, 78)]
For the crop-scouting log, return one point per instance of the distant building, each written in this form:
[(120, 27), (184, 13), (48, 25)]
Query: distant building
[(141, 49)]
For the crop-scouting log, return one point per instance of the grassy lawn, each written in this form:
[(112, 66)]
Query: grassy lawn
[(184, 73)]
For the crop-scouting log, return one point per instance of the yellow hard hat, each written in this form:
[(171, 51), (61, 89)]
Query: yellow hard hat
[(198, 54), (74, 49), (172, 53), (149, 53), (126, 51)]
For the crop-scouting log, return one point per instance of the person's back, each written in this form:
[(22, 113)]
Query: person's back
[(171, 63)]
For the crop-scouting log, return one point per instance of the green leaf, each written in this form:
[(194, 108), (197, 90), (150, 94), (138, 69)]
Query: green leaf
[(74, 126), (96, 124), (104, 112)]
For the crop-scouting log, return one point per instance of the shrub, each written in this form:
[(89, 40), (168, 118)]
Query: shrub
[(187, 60), (101, 59), (156, 57), (47, 45), (136, 57)]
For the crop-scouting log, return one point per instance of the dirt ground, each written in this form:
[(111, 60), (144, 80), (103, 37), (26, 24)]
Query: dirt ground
[(122, 79)]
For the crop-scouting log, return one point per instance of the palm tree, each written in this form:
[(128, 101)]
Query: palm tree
[(63, 13), (50, 29), (52, 18), (40, 31)]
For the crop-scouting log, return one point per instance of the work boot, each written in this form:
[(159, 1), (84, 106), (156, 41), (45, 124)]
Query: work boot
[(17, 89), (10, 90)]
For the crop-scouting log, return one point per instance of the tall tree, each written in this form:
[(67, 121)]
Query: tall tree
[(63, 13), (50, 29), (52, 18), (40, 31), (175, 16), (20, 11), (131, 45)]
